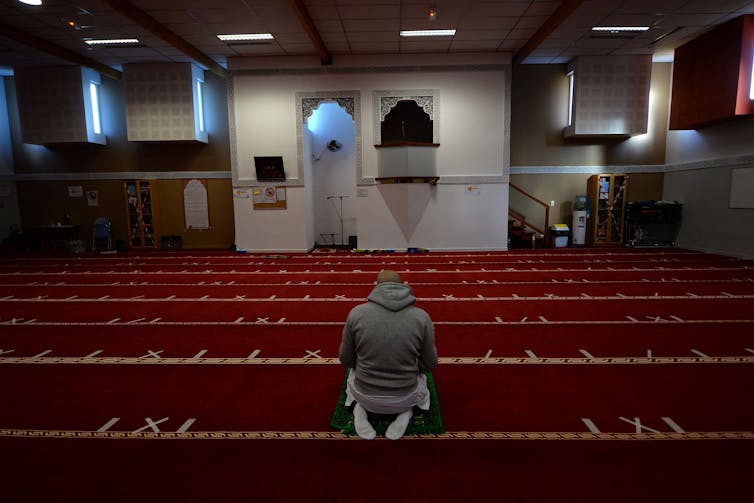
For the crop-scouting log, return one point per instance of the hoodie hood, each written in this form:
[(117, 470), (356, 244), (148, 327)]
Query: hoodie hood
[(392, 296)]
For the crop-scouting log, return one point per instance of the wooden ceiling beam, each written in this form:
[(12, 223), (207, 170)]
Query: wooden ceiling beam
[(556, 19), (157, 29), (57, 51), (308, 24)]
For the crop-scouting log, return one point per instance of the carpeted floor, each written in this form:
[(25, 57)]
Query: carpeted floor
[(601, 375)]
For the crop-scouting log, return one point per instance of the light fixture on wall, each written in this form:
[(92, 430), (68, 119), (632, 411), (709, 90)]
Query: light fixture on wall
[(432, 13)]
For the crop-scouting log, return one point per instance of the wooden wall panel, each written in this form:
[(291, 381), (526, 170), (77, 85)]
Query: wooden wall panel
[(712, 76)]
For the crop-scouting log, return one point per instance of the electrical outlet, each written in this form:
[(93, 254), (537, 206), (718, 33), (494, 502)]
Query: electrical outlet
[(552, 203)]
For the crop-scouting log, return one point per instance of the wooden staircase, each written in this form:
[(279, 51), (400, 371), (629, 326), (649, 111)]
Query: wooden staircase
[(521, 232), (519, 236)]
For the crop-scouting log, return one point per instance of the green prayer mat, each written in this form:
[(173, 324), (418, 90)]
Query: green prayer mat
[(423, 422)]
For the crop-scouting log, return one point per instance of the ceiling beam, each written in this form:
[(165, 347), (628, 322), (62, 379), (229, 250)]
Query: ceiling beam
[(157, 29), (308, 24), (57, 51), (556, 19)]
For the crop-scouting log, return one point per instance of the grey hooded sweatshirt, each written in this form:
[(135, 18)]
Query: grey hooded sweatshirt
[(388, 342)]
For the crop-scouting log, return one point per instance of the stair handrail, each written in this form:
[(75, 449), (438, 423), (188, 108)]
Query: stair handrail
[(546, 231)]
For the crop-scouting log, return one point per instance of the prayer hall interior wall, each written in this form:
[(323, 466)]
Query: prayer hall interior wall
[(552, 167), (42, 174), (692, 167), (699, 173), (472, 110)]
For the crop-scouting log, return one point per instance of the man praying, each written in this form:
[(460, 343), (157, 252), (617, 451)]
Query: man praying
[(389, 345)]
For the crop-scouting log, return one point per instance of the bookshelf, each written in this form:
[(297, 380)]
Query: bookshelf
[(607, 209)]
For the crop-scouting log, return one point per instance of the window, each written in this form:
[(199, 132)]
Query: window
[(751, 83), (570, 97), (200, 104), (93, 96)]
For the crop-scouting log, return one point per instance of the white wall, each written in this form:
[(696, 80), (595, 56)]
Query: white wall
[(273, 230), (717, 141), (472, 113), (707, 223), (332, 174), (442, 217)]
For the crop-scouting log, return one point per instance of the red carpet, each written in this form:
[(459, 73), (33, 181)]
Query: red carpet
[(489, 398), (653, 347)]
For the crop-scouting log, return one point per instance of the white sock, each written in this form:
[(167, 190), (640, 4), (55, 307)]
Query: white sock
[(398, 427), (361, 423)]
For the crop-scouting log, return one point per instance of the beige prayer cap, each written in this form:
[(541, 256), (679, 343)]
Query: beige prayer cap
[(388, 275)]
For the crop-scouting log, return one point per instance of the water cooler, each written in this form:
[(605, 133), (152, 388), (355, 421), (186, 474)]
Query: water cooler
[(578, 227)]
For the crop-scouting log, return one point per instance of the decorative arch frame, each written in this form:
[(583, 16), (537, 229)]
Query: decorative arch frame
[(427, 99), (308, 102)]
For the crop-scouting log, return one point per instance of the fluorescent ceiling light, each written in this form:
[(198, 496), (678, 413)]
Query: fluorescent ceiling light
[(112, 41), (618, 29), (427, 33), (234, 37), (31, 2)]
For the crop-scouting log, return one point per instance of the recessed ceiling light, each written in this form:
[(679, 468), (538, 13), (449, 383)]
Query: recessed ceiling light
[(618, 29), (112, 41), (31, 2), (427, 33), (234, 37)]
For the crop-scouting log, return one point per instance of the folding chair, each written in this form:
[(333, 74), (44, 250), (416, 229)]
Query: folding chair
[(101, 233)]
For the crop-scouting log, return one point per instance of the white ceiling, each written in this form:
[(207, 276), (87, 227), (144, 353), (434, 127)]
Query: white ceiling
[(356, 27)]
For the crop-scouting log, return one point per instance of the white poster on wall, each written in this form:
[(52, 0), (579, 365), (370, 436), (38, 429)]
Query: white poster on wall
[(741, 188), (92, 198), (195, 205)]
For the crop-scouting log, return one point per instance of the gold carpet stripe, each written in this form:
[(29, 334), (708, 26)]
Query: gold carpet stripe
[(18, 322), (537, 298), (328, 435), (125, 360), (414, 269)]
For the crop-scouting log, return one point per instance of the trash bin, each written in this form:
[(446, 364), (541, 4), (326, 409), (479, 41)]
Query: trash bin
[(559, 235)]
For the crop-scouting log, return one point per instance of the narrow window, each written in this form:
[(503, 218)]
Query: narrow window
[(751, 84), (93, 95), (570, 97), (200, 104)]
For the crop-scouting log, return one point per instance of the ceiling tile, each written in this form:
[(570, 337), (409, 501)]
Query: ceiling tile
[(375, 48), (542, 8), (474, 45), (489, 23), (497, 9), (425, 45), (375, 36), (372, 24), (369, 12), (481, 35)]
